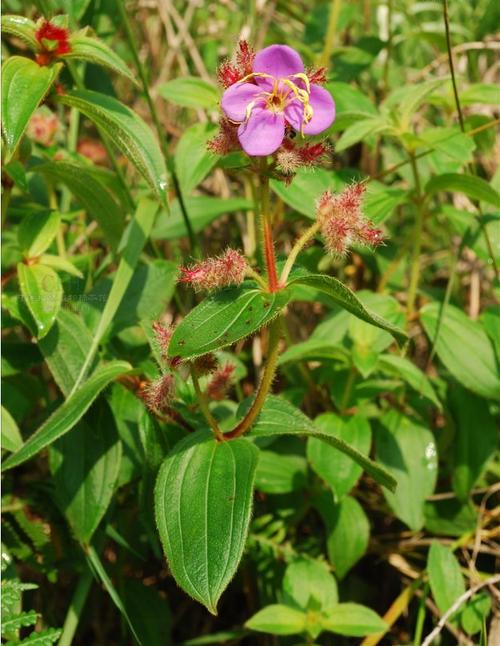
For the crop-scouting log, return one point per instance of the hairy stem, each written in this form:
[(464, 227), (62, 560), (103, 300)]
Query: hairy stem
[(202, 401), (417, 241), (266, 229), (330, 33), (265, 382), (297, 248), (193, 242)]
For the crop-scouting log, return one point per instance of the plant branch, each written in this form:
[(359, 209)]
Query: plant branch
[(202, 401), (417, 241), (266, 228), (75, 609), (296, 249)]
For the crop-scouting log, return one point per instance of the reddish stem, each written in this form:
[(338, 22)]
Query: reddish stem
[(270, 257)]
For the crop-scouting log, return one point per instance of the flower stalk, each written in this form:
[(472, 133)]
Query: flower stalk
[(266, 229), (202, 401), (296, 249)]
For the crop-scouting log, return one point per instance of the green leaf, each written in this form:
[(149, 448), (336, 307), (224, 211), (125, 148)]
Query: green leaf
[(193, 160), (412, 375), (202, 211), (225, 317), (475, 613), (445, 578), (126, 130), (305, 189), (348, 535), (36, 232), (278, 619), (344, 297), (474, 187), (273, 425), (24, 85), (42, 291), (85, 464), (308, 585), (362, 129), (336, 468), (471, 449), (407, 99), (353, 620), (149, 612), (190, 92), (93, 50), (475, 366), (22, 28), (68, 414), (408, 451), (280, 473), (313, 350), (45, 638), (11, 437), (60, 264), (203, 501), (480, 93), (90, 193), (65, 348), (19, 620), (351, 104)]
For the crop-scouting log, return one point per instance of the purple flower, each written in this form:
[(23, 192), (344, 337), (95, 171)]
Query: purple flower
[(276, 93)]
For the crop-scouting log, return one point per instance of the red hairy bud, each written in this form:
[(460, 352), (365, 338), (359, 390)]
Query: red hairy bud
[(43, 126), (162, 334), (245, 57), (228, 74), (53, 41), (206, 364), (158, 394), (317, 76), (220, 382), (226, 140), (93, 150), (213, 273)]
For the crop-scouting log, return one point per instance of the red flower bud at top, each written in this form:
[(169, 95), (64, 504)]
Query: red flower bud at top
[(53, 41), (213, 273), (228, 74), (220, 382), (342, 222), (245, 57), (158, 394)]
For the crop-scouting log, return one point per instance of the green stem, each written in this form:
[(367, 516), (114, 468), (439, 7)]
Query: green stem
[(266, 228), (6, 195), (388, 52), (265, 382), (156, 120), (74, 125), (351, 379), (202, 401), (417, 241), (421, 612), (75, 608), (331, 31), (297, 248), (257, 277)]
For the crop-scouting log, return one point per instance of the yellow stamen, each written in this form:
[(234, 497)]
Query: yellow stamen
[(303, 77)]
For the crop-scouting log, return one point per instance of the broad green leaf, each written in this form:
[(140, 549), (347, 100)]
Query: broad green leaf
[(59, 264), (336, 468), (368, 338), (190, 92), (280, 473), (308, 585), (95, 51), (42, 291), (85, 463), (193, 160), (203, 502), (305, 189), (24, 85), (349, 103), (480, 93), (412, 375), (68, 414), (381, 201), (313, 350), (126, 130), (475, 366), (149, 612), (37, 231), (278, 619), (407, 99), (451, 142), (471, 449), (348, 535), (271, 423), (344, 297), (408, 451), (131, 246), (353, 620), (474, 187), (225, 317), (475, 612), (90, 193), (65, 347), (362, 129), (202, 211), (450, 517), (445, 578), (11, 436), (22, 28)]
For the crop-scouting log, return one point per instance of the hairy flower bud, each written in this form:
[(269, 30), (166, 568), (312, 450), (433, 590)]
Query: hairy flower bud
[(158, 394), (220, 382), (162, 335), (226, 140), (43, 126), (213, 273), (93, 150), (53, 42), (342, 222), (206, 364)]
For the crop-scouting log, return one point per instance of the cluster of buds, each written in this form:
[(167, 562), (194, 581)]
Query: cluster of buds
[(290, 157), (43, 127), (206, 364), (93, 150), (220, 382), (53, 41), (226, 140), (230, 73), (158, 394), (342, 221), (213, 273)]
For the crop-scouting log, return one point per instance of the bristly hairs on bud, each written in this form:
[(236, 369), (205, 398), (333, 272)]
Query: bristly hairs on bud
[(342, 221), (220, 382), (53, 41), (226, 140), (158, 394), (162, 335), (214, 273), (230, 73), (290, 157), (206, 364)]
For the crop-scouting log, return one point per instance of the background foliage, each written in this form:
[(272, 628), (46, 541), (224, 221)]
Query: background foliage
[(96, 188)]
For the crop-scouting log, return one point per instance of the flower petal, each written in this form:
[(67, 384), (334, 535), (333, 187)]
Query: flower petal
[(263, 133), (323, 106), (279, 61), (236, 99)]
